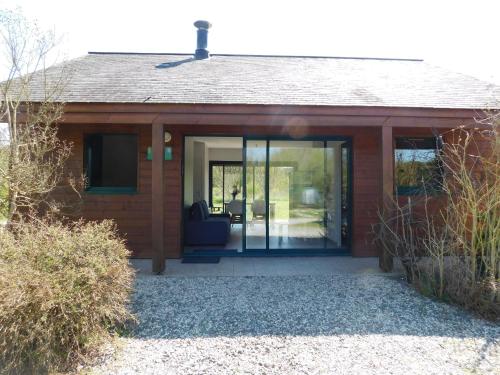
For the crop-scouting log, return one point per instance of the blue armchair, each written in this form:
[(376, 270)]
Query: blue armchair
[(202, 228)]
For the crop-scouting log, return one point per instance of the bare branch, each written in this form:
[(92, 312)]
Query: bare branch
[(32, 175)]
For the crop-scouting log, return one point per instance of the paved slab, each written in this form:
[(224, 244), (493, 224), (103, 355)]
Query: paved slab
[(272, 266)]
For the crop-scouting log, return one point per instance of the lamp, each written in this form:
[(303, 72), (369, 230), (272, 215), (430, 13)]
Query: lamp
[(167, 153), (168, 137)]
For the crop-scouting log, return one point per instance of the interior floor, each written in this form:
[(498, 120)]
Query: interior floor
[(235, 243), (257, 241)]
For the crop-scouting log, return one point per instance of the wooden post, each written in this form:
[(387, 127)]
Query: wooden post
[(386, 261), (157, 196)]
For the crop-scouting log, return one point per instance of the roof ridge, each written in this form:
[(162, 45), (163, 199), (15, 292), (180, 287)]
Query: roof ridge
[(258, 55)]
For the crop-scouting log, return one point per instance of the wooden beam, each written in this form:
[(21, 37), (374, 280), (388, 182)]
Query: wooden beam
[(239, 119), (291, 110), (386, 262), (157, 199)]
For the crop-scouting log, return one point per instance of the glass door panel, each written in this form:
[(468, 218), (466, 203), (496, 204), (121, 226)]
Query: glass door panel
[(333, 196), (256, 196), (297, 194)]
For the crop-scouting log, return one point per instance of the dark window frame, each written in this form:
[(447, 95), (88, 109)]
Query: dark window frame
[(219, 163), (87, 167), (418, 143)]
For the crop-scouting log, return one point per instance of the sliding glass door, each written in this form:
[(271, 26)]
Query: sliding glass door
[(295, 192)]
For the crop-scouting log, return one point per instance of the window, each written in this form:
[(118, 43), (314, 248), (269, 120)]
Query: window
[(110, 163), (417, 166), (225, 182)]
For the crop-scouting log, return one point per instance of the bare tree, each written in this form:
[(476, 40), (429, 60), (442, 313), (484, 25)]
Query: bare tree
[(31, 105)]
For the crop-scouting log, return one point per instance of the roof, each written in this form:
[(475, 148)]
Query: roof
[(275, 80)]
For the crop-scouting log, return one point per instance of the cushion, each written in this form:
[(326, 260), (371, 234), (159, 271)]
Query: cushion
[(204, 207), (196, 212)]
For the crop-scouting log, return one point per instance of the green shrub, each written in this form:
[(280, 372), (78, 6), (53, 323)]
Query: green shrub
[(63, 290)]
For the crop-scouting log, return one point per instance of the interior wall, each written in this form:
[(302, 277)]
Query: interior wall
[(200, 175), (205, 174), (225, 154), (188, 171)]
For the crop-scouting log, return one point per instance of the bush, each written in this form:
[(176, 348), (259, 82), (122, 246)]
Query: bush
[(63, 290), (450, 243)]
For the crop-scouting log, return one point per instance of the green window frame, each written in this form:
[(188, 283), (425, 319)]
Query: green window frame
[(111, 163), (417, 167)]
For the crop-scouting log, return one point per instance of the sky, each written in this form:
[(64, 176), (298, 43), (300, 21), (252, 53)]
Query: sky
[(460, 35)]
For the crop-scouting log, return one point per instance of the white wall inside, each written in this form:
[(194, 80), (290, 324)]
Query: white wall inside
[(199, 171), (225, 154), (198, 152), (188, 171)]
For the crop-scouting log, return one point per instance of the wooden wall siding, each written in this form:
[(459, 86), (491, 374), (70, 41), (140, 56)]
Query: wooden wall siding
[(367, 189), (133, 212), (173, 197)]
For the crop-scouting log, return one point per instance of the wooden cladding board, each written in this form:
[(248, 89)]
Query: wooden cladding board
[(132, 212)]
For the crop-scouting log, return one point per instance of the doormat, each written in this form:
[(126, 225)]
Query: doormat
[(201, 260), (222, 250)]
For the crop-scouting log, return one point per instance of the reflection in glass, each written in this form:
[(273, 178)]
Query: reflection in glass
[(346, 198), (305, 195), (416, 165), (255, 169), (333, 194), (307, 204)]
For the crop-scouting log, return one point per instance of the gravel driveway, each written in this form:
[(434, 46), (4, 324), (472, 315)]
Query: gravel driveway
[(337, 324)]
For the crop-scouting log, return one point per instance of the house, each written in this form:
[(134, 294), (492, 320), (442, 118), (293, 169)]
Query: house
[(255, 155)]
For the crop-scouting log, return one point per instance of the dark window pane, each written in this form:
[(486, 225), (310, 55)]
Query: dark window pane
[(416, 165), (111, 160)]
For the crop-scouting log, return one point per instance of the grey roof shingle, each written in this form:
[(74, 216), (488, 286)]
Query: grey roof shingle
[(280, 80)]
